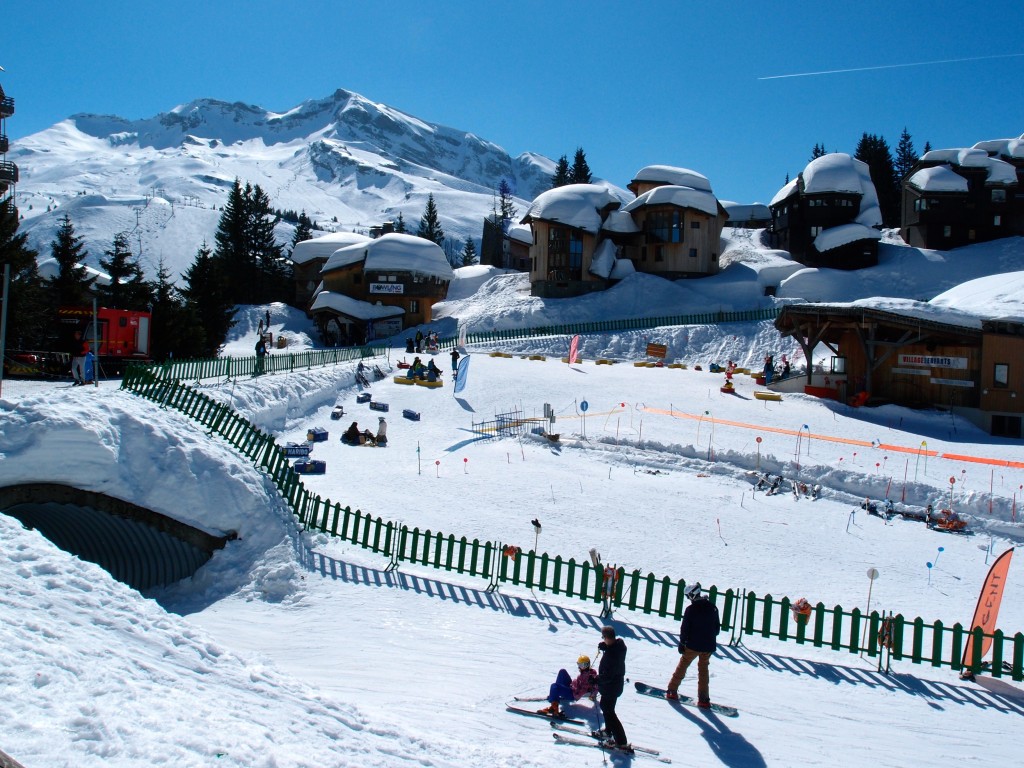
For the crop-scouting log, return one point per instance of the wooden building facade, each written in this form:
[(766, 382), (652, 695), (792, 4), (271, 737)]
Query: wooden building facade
[(907, 358)]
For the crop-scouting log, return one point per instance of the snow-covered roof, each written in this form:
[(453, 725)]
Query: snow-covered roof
[(679, 177), (835, 172), (575, 205), (998, 171), (844, 234), (346, 305), (323, 247), (521, 233), (788, 190), (603, 260), (904, 307), (621, 222), (751, 212), (938, 178), (993, 297), (682, 197), (394, 251)]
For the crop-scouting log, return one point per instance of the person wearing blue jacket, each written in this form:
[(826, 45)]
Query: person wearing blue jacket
[(697, 640)]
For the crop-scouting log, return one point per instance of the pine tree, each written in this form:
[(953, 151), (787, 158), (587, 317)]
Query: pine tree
[(272, 270), (430, 226), (469, 253), (505, 205), (28, 313), (208, 301), (400, 224), (818, 151), (874, 150), (174, 330), (71, 286), (906, 157), (561, 177), (127, 288), (927, 148), (580, 173), (231, 250), (247, 250), (303, 230)]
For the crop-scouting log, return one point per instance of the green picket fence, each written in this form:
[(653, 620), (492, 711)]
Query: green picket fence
[(744, 613), (241, 367)]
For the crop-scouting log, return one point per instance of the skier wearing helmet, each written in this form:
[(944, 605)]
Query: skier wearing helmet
[(564, 687), (701, 625)]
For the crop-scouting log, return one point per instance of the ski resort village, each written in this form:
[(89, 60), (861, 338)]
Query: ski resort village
[(338, 438)]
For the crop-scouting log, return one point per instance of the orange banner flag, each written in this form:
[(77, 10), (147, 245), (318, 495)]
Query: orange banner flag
[(987, 612)]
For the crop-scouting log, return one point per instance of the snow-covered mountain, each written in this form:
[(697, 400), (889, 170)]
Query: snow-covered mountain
[(346, 161)]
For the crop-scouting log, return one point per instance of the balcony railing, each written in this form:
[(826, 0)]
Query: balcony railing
[(6, 107), (5, 145), (8, 173)]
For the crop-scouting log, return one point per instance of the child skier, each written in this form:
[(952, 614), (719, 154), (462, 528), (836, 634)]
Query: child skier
[(565, 687)]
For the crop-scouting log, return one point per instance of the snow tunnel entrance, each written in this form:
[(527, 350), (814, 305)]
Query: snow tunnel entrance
[(135, 545)]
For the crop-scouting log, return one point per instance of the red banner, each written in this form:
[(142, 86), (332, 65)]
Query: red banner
[(574, 346), (987, 612)]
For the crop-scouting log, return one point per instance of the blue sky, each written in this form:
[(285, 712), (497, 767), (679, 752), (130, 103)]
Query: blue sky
[(680, 83)]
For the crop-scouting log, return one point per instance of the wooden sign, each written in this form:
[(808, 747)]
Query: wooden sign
[(657, 350)]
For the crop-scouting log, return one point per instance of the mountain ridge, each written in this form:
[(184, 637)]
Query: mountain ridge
[(347, 161)]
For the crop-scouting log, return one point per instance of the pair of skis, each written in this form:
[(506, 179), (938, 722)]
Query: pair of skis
[(596, 742)]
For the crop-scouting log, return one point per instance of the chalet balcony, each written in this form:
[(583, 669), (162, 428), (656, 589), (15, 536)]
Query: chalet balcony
[(6, 107), (8, 173)]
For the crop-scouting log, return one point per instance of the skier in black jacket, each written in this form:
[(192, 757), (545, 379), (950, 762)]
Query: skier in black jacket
[(611, 674), (701, 625)]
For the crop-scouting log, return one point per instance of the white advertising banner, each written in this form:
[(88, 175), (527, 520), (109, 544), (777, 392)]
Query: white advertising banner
[(387, 288), (934, 361)]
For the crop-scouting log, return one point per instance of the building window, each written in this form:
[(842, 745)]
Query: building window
[(1001, 375), (947, 231), (714, 257), (565, 254), (357, 278), (693, 253), (815, 231), (659, 254), (664, 226), (414, 306), (694, 225), (998, 195), (997, 221)]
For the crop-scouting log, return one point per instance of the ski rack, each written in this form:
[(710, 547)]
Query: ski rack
[(492, 585), (736, 620), (396, 547)]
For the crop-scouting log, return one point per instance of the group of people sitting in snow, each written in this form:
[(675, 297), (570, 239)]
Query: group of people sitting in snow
[(772, 485), (354, 436), (418, 370)]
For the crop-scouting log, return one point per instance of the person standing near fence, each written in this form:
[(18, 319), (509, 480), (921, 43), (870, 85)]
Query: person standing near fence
[(701, 625), (611, 677)]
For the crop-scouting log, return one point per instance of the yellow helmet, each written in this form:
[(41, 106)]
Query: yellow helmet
[(583, 662)]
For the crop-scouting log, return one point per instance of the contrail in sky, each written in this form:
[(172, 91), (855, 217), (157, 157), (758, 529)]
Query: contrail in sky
[(892, 66)]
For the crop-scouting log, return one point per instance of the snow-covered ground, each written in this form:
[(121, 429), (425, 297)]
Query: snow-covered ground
[(294, 649)]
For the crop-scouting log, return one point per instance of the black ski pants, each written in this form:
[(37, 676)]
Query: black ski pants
[(611, 721)]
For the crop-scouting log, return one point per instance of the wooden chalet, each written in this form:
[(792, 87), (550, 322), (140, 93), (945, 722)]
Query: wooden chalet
[(912, 355), (956, 197), (584, 239), (828, 216), (377, 288)]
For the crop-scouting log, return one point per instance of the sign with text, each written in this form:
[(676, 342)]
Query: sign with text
[(387, 288), (935, 361), (657, 350)]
